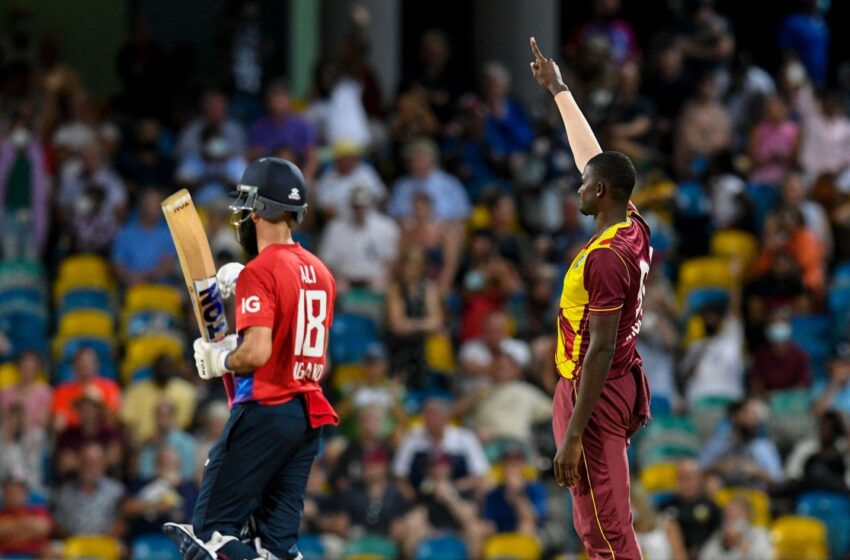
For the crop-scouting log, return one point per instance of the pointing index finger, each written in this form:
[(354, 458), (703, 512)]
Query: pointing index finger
[(536, 50)]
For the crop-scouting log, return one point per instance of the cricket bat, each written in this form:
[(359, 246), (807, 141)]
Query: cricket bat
[(196, 260)]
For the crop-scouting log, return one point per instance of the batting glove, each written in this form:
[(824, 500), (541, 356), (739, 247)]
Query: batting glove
[(210, 356), (226, 278)]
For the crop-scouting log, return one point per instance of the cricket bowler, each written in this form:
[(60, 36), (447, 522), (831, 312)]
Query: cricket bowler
[(257, 471), (602, 396)]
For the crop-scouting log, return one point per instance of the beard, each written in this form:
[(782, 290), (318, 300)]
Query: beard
[(246, 234)]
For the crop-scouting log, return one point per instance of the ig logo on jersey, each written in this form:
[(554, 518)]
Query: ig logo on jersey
[(250, 304)]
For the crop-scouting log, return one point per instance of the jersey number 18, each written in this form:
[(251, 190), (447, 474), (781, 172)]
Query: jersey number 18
[(310, 329)]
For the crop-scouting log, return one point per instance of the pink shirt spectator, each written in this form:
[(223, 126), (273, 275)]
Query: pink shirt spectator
[(36, 399), (773, 140)]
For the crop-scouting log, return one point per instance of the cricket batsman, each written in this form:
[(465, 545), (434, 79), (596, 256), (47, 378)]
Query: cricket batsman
[(257, 471), (603, 395)]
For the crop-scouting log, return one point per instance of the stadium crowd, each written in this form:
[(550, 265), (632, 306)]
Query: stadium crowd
[(448, 215)]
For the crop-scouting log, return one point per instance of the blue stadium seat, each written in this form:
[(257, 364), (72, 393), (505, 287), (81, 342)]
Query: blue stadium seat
[(812, 332), (311, 547), (700, 297), (154, 547), (446, 547), (350, 335), (834, 510), (85, 299)]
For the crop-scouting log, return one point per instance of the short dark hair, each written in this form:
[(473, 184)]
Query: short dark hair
[(617, 170)]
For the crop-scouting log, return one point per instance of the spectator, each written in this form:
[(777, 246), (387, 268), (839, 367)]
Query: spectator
[(281, 128), (696, 515), (805, 35), (213, 420), (713, 366), (144, 251), (423, 231), (213, 115), (92, 200), (773, 145), (167, 497), (658, 337), (739, 452), (438, 438), (834, 393), (510, 244), (23, 448), (30, 392), (376, 391), (607, 23), (24, 202), (373, 506), (167, 434), (478, 356), (413, 313), (450, 200), (318, 513), (779, 289), (24, 528), (335, 186), (516, 505), (145, 163), (628, 122), (704, 128), (781, 364), (508, 408), (658, 537), (142, 398), (793, 195), (360, 246), (670, 83), (215, 171), (822, 462), (94, 427), (337, 110), (443, 505), (507, 129), (785, 231), (738, 538), (368, 438), (707, 41), (825, 145), (87, 381), (89, 505), (433, 77)]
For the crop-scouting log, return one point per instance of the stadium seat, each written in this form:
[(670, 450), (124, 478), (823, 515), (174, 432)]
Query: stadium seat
[(350, 335), (82, 271), (141, 353), (85, 298), (439, 353), (731, 243), (144, 323), (154, 547), (371, 546), (86, 323), (659, 478), (700, 297), (834, 511), (758, 500), (92, 547), (812, 332), (704, 272), (152, 297), (799, 538), (707, 413), (347, 374), (446, 547), (311, 547), (512, 545)]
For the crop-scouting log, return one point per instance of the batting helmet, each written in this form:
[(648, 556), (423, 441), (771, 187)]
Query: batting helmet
[(270, 187)]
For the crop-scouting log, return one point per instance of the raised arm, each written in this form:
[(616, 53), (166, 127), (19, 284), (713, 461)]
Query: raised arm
[(579, 134)]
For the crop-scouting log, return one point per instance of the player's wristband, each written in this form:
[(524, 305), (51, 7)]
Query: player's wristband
[(224, 356)]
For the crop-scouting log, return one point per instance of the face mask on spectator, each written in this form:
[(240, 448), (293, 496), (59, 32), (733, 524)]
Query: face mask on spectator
[(778, 332), (20, 137)]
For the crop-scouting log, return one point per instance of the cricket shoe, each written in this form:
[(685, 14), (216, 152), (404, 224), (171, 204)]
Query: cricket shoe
[(193, 548)]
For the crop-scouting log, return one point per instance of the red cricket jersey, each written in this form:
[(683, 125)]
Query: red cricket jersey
[(289, 290), (606, 276)]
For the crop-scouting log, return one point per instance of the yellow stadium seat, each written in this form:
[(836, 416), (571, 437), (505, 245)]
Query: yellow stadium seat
[(529, 473), (144, 350), (347, 374), (8, 375), (92, 547), (153, 297), (479, 219), (732, 243), (659, 478), (799, 538), (704, 272), (512, 545), (86, 322), (759, 502), (84, 265), (439, 353)]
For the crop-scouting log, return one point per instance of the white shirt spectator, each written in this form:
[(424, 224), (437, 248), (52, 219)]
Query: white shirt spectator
[(717, 364), (333, 190), (477, 351), (190, 142), (74, 185), (458, 442), (361, 252), (341, 117)]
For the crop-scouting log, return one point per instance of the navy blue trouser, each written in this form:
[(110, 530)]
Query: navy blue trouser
[(259, 466)]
